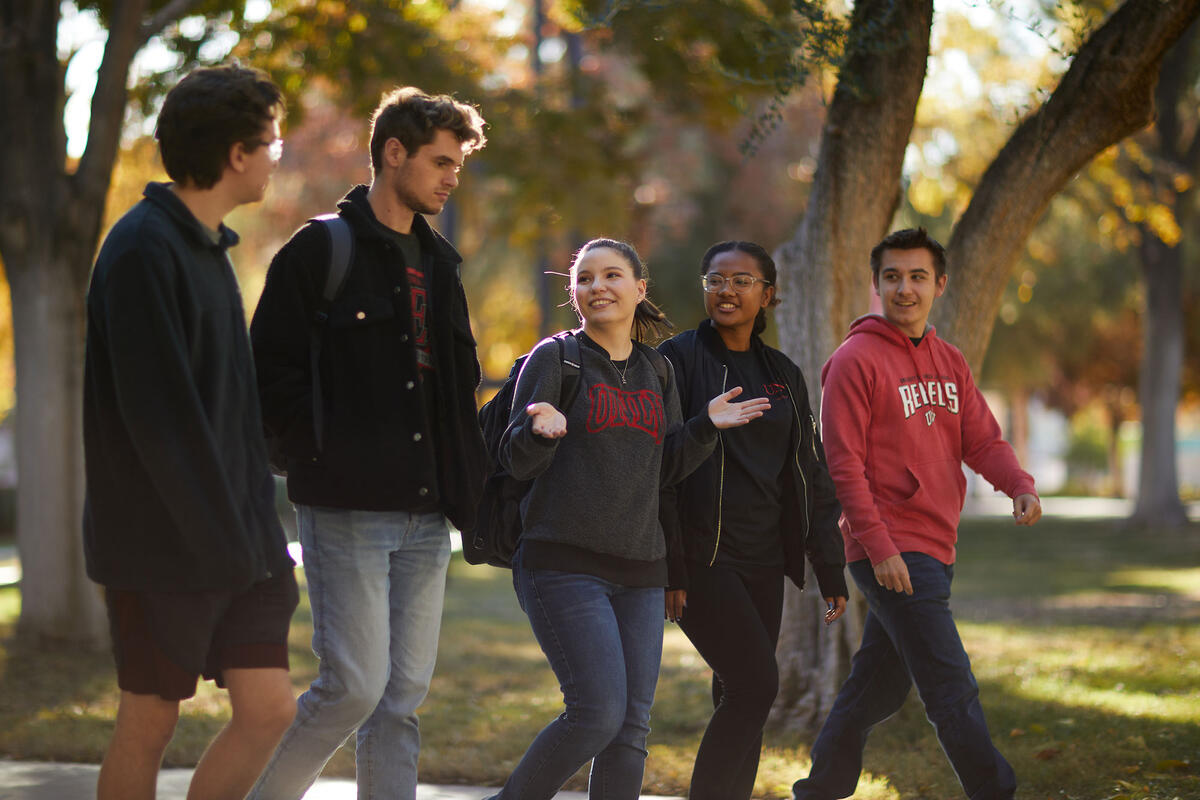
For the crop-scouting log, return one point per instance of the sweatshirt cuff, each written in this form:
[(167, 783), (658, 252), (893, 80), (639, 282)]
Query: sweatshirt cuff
[(879, 547), (701, 428), (832, 581)]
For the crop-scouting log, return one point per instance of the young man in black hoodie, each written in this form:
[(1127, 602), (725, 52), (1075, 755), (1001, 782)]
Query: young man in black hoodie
[(179, 523), (394, 451)]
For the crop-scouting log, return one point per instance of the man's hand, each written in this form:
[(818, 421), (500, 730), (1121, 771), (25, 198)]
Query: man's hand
[(892, 573), (676, 601), (835, 607), (1027, 509), (548, 421)]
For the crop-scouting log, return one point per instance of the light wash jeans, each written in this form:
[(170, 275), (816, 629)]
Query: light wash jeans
[(604, 643), (376, 581)]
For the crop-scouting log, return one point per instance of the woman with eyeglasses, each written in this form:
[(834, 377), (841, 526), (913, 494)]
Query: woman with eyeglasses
[(748, 516)]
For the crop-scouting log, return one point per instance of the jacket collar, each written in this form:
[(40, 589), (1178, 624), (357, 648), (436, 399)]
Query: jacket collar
[(357, 208), (160, 194), (711, 339)]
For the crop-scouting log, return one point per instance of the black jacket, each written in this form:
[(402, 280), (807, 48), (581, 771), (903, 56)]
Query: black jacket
[(383, 450), (179, 496), (808, 522)]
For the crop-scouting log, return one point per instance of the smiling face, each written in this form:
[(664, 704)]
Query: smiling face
[(907, 284), (727, 308), (424, 180), (605, 289)]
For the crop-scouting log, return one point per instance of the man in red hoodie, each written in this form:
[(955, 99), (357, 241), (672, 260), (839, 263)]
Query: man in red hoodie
[(900, 415)]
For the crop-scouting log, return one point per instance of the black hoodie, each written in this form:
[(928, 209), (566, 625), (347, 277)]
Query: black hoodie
[(808, 521), (383, 448)]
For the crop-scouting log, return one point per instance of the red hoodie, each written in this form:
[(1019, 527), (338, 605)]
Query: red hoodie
[(898, 422)]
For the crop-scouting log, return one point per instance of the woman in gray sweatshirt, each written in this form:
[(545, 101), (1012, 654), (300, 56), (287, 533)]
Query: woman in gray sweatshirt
[(591, 565)]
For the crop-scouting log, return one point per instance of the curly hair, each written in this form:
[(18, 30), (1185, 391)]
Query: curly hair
[(414, 118)]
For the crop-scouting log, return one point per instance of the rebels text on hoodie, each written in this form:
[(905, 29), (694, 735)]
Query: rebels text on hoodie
[(898, 421)]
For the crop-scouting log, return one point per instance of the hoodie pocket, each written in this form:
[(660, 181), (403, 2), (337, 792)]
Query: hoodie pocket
[(941, 488)]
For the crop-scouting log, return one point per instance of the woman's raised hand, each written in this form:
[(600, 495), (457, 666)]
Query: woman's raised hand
[(725, 414), (548, 421)]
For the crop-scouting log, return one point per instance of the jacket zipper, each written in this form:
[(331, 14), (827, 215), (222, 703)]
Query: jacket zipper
[(721, 480), (796, 456)]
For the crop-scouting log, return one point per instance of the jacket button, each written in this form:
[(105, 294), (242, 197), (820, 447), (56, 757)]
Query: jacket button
[(361, 315), (409, 385), (398, 290), (404, 337), (423, 491), (416, 437)]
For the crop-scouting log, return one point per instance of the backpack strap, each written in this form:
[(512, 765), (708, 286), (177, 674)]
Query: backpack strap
[(572, 368), (341, 252), (661, 367)]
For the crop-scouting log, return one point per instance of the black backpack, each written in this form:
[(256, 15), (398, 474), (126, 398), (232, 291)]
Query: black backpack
[(498, 523), (341, 253)]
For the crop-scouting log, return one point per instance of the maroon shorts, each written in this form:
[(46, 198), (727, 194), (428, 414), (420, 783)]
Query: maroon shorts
[(164, 641)]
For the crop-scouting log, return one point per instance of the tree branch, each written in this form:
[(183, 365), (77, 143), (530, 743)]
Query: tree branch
[(1106, 95), (172, 11)]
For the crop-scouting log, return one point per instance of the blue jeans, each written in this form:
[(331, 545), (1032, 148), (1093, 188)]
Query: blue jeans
[(908, 640), (375, 582), (604, 643)]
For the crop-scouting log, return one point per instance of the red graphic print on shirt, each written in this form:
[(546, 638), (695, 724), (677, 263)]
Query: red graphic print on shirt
[(776, 390), (419, 297), (616, 408)]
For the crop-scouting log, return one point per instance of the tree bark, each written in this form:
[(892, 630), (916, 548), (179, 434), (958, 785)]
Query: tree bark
[(1105, 95), (50, 221), (1160, 379), (825, 277)]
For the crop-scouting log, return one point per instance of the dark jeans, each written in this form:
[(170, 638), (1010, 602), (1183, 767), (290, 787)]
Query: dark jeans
[(604, 643), (732, 617), (908, 640)]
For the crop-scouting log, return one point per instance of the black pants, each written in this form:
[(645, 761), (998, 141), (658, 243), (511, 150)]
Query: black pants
[(732, 617)]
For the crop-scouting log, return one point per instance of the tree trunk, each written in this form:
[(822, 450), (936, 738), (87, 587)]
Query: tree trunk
[(1107, 94), (57, 599), (826, 283), (49, 224), (1159, 383)]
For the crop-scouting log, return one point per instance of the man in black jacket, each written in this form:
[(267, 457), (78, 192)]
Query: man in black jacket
[(179, 523), (395, 450)]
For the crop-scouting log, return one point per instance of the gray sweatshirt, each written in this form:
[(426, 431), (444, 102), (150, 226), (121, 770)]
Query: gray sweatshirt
[(593, 506)]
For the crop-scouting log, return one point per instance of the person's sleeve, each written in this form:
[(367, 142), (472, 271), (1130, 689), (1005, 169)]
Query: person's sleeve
[(823, 546), (523, 453), (280, 334), (686, 444), (668, 508), (845, 420), (984, 448), (160, 404)]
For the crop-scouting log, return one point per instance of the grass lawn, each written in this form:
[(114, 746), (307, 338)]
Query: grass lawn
[(1084, 638)]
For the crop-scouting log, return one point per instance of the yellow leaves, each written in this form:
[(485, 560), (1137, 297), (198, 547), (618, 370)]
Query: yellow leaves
[(356, 23), (927, 196), (1161, 220)]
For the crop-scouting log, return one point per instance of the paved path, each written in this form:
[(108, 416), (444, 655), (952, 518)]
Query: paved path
[(36, 780)]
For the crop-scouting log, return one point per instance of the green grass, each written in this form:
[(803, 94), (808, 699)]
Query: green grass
[(1083, 636)]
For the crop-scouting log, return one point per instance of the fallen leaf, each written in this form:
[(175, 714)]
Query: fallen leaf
[(1169, 764), (1036, 728), (1046, 754), (1015, 732)]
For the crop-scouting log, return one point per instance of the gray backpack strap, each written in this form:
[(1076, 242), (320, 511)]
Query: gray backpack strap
[(341, 251)]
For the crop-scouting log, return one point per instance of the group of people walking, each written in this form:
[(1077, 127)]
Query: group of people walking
[(687, 482)]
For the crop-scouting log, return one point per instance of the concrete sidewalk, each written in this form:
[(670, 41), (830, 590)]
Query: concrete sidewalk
[(38, 780)]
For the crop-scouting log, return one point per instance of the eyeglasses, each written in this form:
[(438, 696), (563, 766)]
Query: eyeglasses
[(274, 147), (715, 282)]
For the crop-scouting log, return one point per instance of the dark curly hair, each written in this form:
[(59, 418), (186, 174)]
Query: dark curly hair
[(206, 113)]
